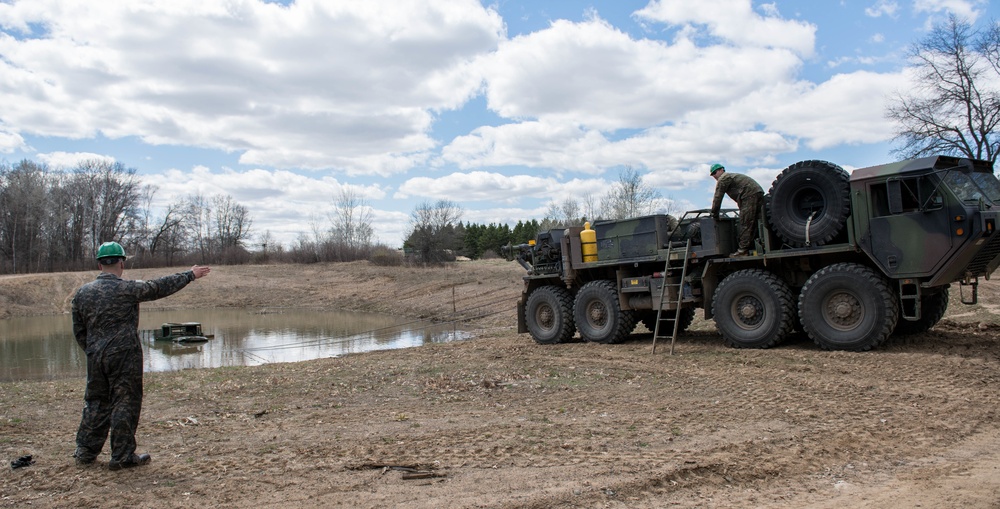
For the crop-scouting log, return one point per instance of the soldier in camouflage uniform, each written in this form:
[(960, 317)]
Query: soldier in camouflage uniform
[(747, 194), (105, 324)]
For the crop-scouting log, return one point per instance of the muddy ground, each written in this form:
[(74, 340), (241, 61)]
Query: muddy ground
[(498, 421)]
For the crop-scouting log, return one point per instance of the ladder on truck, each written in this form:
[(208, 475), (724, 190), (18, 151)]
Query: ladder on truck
[(674, 319)]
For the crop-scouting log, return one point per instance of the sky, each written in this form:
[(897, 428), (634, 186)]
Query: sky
[(502, 107)]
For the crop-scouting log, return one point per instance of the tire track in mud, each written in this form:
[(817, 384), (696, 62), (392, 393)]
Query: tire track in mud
[(824, 406)]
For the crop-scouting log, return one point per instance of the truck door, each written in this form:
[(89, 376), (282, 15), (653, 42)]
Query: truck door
[(909, 231)]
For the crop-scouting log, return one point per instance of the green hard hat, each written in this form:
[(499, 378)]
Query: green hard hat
[(110, 250), (716, 167)]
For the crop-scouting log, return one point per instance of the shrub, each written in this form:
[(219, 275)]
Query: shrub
[(386, 257)]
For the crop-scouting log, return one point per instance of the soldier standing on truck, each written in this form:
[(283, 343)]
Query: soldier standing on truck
[(105, 324), (747, 194)]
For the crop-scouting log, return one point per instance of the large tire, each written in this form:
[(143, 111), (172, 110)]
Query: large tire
[(549, 315), (753, 308), (932, 308), (809, 188), (598, 314), (847, 306), (686, 317)]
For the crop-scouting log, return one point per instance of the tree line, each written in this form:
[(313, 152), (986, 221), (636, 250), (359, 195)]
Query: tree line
[(54, 220)]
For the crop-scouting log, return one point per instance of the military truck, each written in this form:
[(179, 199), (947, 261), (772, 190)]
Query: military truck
[(849, 259)]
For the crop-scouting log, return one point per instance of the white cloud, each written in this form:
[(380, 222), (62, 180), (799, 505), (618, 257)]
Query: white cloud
[(586, 97), (558, 147), (847, 109), (661, 150), (254, 185), (316, 84), (594, 75), (69, 160), (488, 186), (735, 21), (282, 202), (966, 9), (11, 141), (883, 7)]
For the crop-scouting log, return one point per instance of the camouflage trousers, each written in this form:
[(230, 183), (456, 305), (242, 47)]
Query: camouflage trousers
[(749, 214), (112, 403)]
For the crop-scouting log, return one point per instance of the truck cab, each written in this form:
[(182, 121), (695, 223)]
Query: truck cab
[(929, 219)]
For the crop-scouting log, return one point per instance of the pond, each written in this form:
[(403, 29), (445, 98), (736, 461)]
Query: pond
[(43, 347)]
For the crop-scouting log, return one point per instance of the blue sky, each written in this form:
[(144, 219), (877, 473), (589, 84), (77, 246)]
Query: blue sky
[(502, 107)]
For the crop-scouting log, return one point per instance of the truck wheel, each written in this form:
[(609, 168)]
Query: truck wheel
[(599, 316), (549, 315), (687, 316), (809, 188), (753, 308), (932, 308), (847, 306)]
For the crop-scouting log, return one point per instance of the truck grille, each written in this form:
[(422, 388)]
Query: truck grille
[(978, 265)]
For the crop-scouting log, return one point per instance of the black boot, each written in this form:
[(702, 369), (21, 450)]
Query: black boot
[(135, 460)]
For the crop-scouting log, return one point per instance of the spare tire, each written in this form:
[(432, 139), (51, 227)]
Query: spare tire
[(816, 194)]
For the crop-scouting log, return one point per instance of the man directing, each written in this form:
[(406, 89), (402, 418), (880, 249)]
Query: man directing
[(106, 325)]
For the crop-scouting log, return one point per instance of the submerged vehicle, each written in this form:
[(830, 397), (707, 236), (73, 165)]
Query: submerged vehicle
[(849, 259), (187, 332)]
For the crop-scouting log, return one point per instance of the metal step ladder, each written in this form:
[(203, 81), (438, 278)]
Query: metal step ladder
[(674, 319)]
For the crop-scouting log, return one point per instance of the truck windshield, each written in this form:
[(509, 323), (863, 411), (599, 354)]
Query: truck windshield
[(971, 187), (989, 184)]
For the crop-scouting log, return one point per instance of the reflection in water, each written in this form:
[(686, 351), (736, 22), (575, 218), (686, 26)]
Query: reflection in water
[(43, 347)]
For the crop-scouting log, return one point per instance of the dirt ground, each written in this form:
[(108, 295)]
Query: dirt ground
[(498, 421)]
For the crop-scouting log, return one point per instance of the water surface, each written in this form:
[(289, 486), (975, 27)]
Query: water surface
[(43, 347)]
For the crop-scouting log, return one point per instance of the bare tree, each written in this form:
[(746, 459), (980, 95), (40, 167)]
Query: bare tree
[(113, 194), (268, 244), (63, 226), (591, 207), (562, 214), (954, 106), (168, 236), (23, 195), (990, 46), (434, 230), (668, 206), (351, 221), (232, 222), (197, 219), (629, 197)]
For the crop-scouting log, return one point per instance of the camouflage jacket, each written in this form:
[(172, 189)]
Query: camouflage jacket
[(106, 310), (738, 186)]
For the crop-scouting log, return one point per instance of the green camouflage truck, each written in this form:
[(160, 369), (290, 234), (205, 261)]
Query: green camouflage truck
[(849, 259)]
